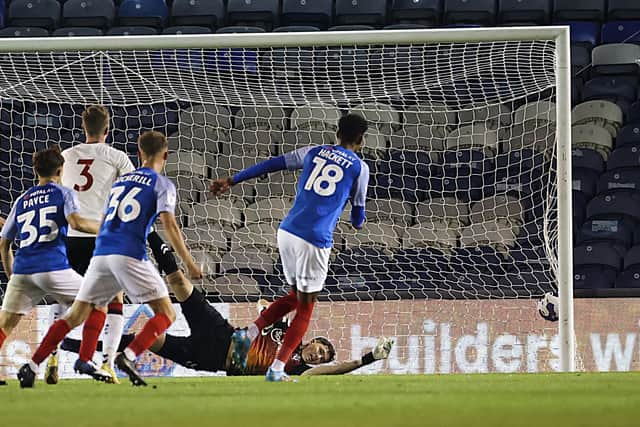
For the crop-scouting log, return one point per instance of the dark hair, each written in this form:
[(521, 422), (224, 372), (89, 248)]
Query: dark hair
[(152, 142), (330, 348), (96, 120), (351, 128), (46, 162)]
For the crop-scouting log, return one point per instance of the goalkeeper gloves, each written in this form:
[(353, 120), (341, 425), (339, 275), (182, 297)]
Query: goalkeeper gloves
[(380, 351)]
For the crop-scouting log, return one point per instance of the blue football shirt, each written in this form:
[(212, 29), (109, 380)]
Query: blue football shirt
[(38, 221), (135, 201), (331, 176)]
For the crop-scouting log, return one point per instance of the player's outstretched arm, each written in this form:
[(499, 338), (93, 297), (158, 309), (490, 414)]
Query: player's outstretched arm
[(381, 351), (7, 256), (174, 235), (83, 224), (222, 185)]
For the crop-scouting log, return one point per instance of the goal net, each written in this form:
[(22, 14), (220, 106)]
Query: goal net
[(462, 231)]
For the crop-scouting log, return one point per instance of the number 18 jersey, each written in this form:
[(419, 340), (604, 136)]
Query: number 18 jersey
[(135, 201), (331, 175)]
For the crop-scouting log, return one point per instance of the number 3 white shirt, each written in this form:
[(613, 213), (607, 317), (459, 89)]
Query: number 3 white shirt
[(90, 170), (331, 175)]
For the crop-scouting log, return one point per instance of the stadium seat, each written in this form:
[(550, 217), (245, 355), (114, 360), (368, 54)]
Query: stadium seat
[(379, 115), (592, 137), (206, 125), (421, 12), (530, 12), (617, 231), (77, 31), (499, 206), (361, 12), (482, 12), (202, 13), (295, 29), (234, 287), (132, 31), (389, 210), (580, 62), (219, 211), (281, 183), (249, 258), (603, 113), (624, 157), (596, 265), (317, 13), (585, 181), (619, 89), (579, 203), (148, 13), (186, 163), (186, 30), (588, 159), (239, 29), (617, 59), (622, 202), (623, 10), (585, 10), (268, 210), (31, 13), (259, 235), (628, 178), (405, 27), (475, 136), (632, 258), (23, 32), (583, 33), (89, 13), (351, 28), (629, 135), (263, 14), (412, 189), (621, 32), (453, 213)]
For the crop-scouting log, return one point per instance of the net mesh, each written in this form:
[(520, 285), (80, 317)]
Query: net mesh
[(461, 148)]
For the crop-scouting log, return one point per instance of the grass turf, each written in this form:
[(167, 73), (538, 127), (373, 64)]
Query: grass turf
[(448, 400)]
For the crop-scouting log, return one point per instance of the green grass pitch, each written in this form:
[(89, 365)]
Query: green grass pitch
[(444, 400)]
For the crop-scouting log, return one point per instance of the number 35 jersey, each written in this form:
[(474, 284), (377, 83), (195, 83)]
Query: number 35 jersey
[(135, 201), (90, 170), (331, 175), (38, 221)]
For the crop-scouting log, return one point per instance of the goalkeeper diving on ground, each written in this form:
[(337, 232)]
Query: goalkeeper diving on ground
[(210, 347)]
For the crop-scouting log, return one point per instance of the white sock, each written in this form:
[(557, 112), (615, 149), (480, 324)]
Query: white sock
[(33, 366), (55, 312), (278, 365), (129, 354), (253, 331), (113, 327)]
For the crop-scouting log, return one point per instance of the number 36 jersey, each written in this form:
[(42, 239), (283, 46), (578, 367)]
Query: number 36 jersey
[(38, 221), (90, 170), (331, 175), (135, 201)]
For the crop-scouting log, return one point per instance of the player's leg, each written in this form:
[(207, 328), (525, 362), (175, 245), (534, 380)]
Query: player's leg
[(287, 303), (113, 328), (312, 265), (8, 322), (51, 372)]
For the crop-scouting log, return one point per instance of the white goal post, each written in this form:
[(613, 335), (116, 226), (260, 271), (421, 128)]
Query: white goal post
[(443, 94)]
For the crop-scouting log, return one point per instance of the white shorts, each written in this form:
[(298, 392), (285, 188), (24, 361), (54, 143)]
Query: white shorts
[(24, 291), (305, 265), (109, 274)]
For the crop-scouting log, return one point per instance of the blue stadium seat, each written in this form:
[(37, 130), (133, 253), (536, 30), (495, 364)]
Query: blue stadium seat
[(398, 186), (628, 279), (629, 135), (615, 203), (88, 13), (316, 13), (425, 265), (406, 27), (585, 181), (409, 162), (517, 162), (351, 28), (587, 159), (23, 32), (295, 29), (621, 32), (77, 31), (627, 156), (632, 258), (199, 13), (579, 203), (361, 12), (147, 13), (251, 13), (187, 29), (239, 29), (532, 12), (34, 13), (596, 265), (584, 10), (611, 88), (584, 33), (132, 31), (479, 12), (633, 115), (580, 61), (628, 178), (422, 12), (623, 10), (617, 231)]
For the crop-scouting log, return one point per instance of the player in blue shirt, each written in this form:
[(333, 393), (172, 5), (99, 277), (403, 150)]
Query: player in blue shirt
[(120, 263), (331, 176), (38, 222)]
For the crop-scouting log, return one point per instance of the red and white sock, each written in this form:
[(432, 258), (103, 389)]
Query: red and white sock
[(54, 336), (147, 336), (271, 314), (294, 335), (90, 334)]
